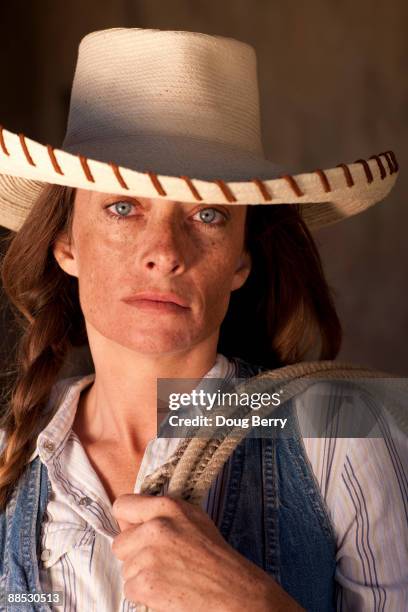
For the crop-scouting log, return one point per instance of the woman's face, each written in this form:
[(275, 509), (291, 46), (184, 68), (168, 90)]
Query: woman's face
[(123, 246)]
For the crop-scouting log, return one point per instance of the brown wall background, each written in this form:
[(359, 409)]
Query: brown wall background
[(333, 89)]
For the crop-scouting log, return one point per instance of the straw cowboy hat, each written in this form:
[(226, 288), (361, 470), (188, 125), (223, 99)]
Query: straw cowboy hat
[(175, 115)]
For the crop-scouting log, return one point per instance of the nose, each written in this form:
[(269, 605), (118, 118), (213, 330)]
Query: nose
[(163, 249)]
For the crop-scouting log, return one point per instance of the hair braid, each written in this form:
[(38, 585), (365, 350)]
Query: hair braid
[(52, 323)]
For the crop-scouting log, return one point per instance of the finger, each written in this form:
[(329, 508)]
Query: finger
[(172, 591), (139, 508), (158, 532), (124, 525)]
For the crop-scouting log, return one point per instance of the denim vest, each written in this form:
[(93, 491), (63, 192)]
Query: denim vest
[(273, 514)]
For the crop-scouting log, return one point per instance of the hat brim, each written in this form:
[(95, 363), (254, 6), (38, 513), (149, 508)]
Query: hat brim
[(325, 196)]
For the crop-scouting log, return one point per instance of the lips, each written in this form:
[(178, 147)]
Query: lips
[(172, 298)]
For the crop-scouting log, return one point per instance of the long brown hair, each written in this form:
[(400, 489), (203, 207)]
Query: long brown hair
[(283, 311)]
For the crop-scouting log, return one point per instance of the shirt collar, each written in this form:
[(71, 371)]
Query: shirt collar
[(51, 438), (66, 393)]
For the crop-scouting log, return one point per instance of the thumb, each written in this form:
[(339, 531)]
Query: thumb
[(123, 525)]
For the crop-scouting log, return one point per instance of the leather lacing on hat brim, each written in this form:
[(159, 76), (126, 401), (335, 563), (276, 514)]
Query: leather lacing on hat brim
[(388, 156)]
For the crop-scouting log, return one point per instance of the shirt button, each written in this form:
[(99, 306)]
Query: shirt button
[(85, 501), (46, 554), (48, 445)]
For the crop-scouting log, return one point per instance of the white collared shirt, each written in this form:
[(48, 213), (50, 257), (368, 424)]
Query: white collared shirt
[(362, 480)]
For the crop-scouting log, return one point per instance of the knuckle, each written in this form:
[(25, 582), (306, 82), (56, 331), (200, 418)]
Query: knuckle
[(147, 557), (129, 568), (187, 510), (146, 579), (131, 590), (141, 585), (170, 504), (159, 526)]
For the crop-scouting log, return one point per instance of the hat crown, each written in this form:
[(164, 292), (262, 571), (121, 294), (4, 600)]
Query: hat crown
[(159, 83), (175, 115)]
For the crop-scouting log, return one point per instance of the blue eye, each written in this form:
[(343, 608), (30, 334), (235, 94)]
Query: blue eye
[(122, 208), (208, 215)]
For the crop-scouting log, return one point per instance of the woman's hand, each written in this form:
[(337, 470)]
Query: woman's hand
[(176, 560)]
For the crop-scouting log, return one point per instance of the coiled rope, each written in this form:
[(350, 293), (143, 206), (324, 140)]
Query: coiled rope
[(197, 459)]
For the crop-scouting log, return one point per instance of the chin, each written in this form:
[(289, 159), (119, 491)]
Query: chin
[(152, 345), (151, 341)]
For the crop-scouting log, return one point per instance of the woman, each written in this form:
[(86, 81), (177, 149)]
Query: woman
[(161, 285)]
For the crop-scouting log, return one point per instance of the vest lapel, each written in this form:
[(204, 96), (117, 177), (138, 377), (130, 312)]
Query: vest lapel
[(23, 519)]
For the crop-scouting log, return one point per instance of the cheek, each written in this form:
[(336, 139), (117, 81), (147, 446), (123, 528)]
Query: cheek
[(216, 276), (99, 269)]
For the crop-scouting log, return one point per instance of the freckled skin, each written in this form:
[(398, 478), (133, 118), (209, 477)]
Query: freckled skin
[(162, 246), (155, 246)]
